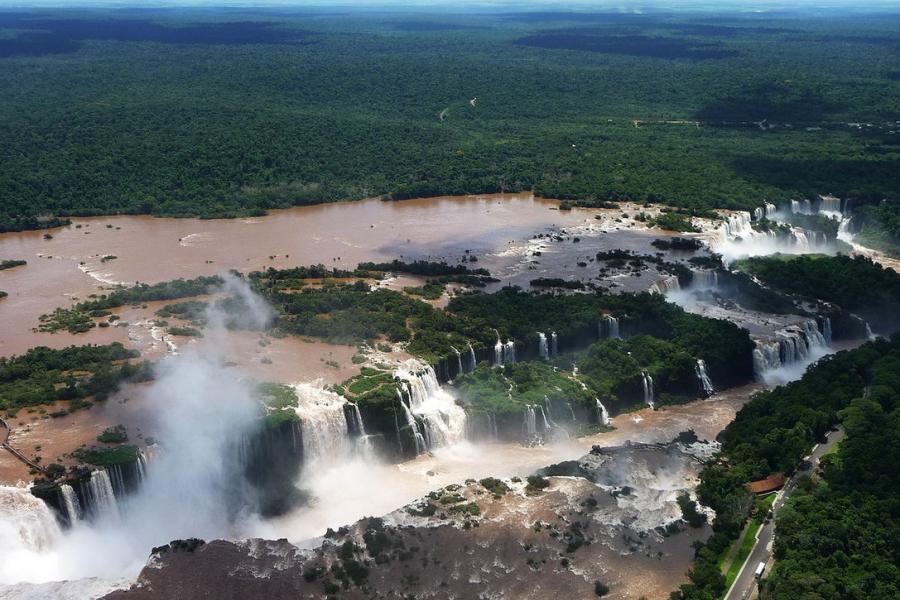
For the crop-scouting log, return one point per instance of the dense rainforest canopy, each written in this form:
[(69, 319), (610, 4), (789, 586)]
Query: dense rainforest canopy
[(180, 112)]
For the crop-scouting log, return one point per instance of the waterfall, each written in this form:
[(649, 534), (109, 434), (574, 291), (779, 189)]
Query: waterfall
[(766, 357), (830, 207), (444, 422), (413, 426), (554, 347), (363, 440), (70, 503), (529, 422), (703, 378), (498, 353), (664, 286), (102, 498), (323, 423), (28, 530), (459, 365), (648, 389), (801, 207), (844, 234), (548, 415), (869, 333), (602, 413), (118, 481), (472, 359), (492, 427), (737, 237), (704, 279), (609, 327), (770, 209), (543, 348), (509, 352), (793, 344)]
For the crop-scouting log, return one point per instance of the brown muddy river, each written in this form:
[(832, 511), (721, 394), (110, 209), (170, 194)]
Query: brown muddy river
[(499, 229)]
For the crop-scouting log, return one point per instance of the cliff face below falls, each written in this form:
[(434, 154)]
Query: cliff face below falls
[(612, 517)]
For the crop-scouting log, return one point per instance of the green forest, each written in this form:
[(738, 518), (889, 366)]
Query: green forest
[(835, 538), (192, 113)]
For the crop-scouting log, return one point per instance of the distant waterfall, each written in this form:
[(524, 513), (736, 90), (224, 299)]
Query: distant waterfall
[(543, 347), (648, 389), (554, 346), (704, 279), (793, 344), (664, 286), (444, 422), (459, 363), (703, 378), (602, 413), (869, 333), (498, 353), (101, 497), (736, 236), (323, 423), (830, 207), (70, 503), (472, 360), (608, 327), (529, 421), (801, 207), (509, 352)]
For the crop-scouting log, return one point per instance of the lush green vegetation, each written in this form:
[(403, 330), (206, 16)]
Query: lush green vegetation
[(438, 272), (838, 533), (43, 375), (108, 457), (116, 434), (279, 402), (80, 317), (272, 109), (857, 284), (9, 264), (516, 386)]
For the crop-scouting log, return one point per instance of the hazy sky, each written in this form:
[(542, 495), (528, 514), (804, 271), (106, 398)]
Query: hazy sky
[(630, 5)]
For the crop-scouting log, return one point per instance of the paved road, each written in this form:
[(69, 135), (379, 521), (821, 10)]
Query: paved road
[(745, 583)]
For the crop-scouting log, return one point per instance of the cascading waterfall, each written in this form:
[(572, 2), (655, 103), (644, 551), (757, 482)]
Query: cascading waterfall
[(363, 440), (830, 207), (737, 237), (70, 503), (801, 207), (413, 426), (648, 389), (28, 533), (704, 279), (703, 378), (509, 352), (869, 333), (602, 413), (444, 422), (101, 497), (529, 421), (323, 423), (543, 347), (609, 327), (793, 344), (664, 286), (554, 346), (459, 364), (117, 479), (548, 415), (498, 353), (472, 360)]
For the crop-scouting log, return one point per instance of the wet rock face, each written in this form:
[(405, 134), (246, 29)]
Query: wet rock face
[(538, 538)]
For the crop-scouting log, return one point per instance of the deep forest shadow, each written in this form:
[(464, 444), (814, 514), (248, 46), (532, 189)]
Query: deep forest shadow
[(57, 36), (772, 102)]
